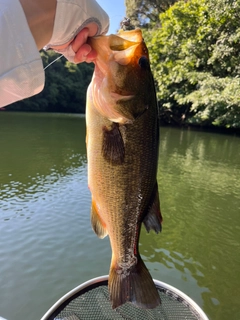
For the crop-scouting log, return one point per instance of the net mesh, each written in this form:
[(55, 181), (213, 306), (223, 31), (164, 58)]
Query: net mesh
[(93, 303)]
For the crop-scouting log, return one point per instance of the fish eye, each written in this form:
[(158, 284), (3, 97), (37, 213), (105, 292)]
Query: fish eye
[(143, 62)]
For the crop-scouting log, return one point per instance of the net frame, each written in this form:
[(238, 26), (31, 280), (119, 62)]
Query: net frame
[(89, 285)]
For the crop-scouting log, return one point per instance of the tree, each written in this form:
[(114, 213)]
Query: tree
[(196, 58), (65, 87), (142, 12)]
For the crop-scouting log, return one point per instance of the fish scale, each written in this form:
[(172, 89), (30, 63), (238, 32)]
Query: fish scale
[(122, 150)]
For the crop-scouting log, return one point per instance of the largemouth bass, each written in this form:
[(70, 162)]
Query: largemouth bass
[(122, 151)]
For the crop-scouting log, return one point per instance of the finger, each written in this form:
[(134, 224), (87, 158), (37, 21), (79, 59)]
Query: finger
[(80, 39), (82, 53), (85, 53), (88, 58), (91, 56)]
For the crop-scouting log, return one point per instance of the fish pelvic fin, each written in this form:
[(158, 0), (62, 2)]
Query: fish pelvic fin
[(97, 224), (153, 219), (113, 148), (133, 285)]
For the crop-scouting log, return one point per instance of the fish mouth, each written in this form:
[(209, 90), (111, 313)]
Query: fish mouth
[(119, 66), (122, 47), (124, 57)]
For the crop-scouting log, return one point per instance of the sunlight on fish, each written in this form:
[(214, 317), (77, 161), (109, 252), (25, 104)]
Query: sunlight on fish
[(122, 150)]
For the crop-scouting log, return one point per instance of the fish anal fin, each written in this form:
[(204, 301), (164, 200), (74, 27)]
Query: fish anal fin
[(153, 218), (97, 224), (133, 285), (113, 149)]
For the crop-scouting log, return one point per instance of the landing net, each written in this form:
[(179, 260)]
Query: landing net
[(91, 301)]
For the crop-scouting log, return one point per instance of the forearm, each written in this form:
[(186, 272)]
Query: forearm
[(29, 25), (21, 71), (40, 16)]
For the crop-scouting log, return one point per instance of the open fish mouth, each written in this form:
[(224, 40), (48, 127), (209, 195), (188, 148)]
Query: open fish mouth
[(121, 59)]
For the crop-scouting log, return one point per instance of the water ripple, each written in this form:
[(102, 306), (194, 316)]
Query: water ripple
[(47, 244)]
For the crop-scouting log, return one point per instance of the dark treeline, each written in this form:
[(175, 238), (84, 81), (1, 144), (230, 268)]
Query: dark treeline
[(65, 87), (195, 57)]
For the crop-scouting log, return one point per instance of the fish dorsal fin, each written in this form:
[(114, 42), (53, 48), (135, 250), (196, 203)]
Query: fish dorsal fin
[(97, 224), (153, 219), (113, 145)]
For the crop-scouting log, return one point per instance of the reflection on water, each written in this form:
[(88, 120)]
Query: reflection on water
[(200, 197), (47, 246), (36, 152)]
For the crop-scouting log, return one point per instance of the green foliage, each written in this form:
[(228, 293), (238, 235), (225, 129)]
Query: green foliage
[(65, 87), (143, 12), (196, 60)]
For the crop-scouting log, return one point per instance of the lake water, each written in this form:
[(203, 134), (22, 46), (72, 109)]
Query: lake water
[(47, 246)]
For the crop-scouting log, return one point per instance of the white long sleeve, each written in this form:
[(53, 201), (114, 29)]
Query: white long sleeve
[(21, 69)]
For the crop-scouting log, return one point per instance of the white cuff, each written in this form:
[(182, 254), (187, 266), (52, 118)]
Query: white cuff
[(72, 16)]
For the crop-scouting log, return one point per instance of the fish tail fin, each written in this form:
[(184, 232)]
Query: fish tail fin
[(133, 285)]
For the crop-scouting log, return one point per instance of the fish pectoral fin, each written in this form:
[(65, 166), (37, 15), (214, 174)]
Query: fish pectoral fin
[(153, 218), (113, 149), (97, 224), (133, 284)]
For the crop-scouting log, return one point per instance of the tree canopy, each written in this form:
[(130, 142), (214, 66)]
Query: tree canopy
[(143, 12), (195, 56), (195, 59), (65, 87)]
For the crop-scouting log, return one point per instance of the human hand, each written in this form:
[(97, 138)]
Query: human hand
[(78, 50), (75, 22)]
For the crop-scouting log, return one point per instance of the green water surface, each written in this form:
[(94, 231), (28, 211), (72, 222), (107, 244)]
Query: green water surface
[(47, 246)]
